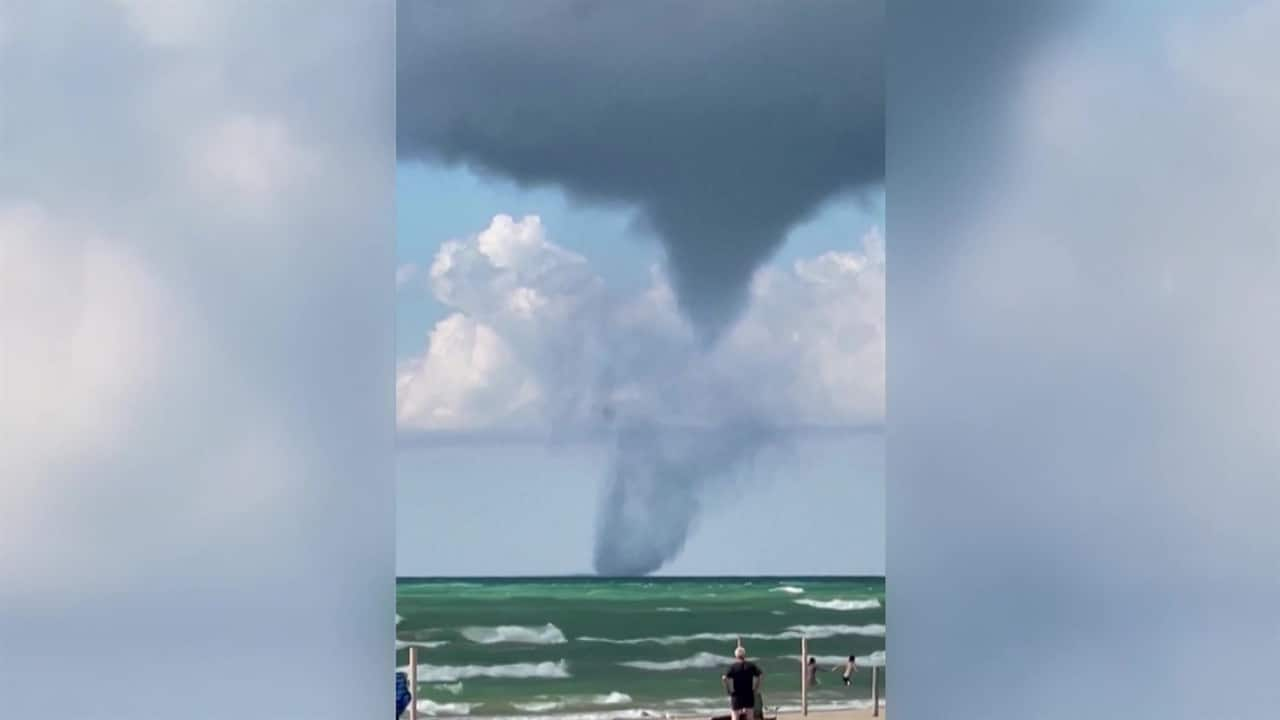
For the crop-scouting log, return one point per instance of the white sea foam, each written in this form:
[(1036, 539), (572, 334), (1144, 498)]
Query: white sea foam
[(399, 619), (827, 661), (794, 632), (701, 660), (428, 644), (789, 589), (454, 673), (828, 631), (875, 659), (674, 609), (619, 714), (776, 612), (451, 688), (546, 635), (664, 640), (544, 703), (839, 604), (823, 660), (435, 709)]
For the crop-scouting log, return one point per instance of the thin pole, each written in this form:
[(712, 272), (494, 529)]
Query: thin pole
[(875, 691), (413, 683), (804, 676)]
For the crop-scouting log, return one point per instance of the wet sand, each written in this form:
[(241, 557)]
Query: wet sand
[(848, 714)]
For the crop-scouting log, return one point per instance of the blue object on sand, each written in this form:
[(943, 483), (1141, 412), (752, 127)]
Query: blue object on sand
[(403, 696)]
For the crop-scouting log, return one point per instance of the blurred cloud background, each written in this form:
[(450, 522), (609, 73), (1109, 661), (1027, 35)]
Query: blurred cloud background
[(1081, 457), (196, 338)]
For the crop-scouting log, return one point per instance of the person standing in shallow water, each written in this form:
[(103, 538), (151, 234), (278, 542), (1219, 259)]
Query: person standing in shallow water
[(847, 670), (742, 682)]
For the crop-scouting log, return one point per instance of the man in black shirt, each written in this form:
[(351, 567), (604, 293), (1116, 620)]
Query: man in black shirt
[(742, 681)]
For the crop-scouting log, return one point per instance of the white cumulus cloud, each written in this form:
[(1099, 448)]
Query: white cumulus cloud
[(536, 342)]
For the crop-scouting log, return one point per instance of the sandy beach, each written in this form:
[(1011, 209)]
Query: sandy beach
[(833, 714), (844, 714)]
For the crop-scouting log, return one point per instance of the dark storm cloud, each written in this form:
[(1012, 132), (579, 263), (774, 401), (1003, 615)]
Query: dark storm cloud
[(724, 123)]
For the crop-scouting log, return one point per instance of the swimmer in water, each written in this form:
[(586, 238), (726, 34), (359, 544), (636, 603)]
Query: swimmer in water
[(847, 670)]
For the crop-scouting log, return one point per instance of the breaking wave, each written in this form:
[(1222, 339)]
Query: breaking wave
[(701, 660), (454, 673), (434, 709), (839, 604), (546, 635), (543, 704), (829, 631), (795, 632), (875, 659), (429, 644)]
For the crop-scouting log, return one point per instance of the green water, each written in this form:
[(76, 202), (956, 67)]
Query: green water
[(622, 648)]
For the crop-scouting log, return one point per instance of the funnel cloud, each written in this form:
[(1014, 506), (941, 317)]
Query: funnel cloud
[(658, 482), (723, 123)]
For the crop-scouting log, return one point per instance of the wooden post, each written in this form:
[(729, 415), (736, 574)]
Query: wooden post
[(413, 683), (804, 676), (875, 691)]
